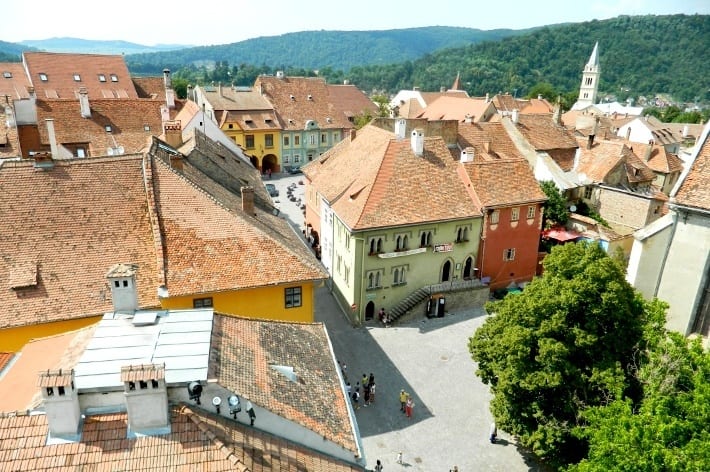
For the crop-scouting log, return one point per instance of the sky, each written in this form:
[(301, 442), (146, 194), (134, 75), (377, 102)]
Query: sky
[(190, 22)]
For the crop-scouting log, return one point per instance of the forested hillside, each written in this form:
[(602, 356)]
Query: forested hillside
[(641, 55), (339, 50)]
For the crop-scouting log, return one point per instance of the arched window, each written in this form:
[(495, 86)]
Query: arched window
[(373, 246), (371, 280), (379, 244), (377, 280), (405, 242), (395, 278)]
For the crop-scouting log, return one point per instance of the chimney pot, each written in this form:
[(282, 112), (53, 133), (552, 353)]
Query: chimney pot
[(467, 154), (122, 280), (418, 142), (248, 200), (514, 115), (173, 133)]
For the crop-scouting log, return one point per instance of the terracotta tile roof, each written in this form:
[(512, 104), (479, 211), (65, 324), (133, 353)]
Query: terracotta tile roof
[(149, 87), (78, 208), (365, 181), (429, 97), (198, 441), (350, 100), (663, 161), (456, 108), (226, 98), (13, 81), (545, 135), (299, 99), (196, 230), (599, 162), (243, 353), (693, 130), (503, 182), (489, 140), (596, 163), (60, 69), (537, 106), (694, 191), (252, 120), (410, 108), (127, 119)]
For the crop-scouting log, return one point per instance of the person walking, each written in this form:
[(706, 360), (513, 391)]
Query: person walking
[(372, 391), (364, 380), (367, 395), (493, 433), (409, 406), (378, 466), (399, 458), (356, 398), (402, 400), (252, 414)]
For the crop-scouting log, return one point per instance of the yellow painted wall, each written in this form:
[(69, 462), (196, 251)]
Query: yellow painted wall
[(12, 339), (260, 149), (265, 303)]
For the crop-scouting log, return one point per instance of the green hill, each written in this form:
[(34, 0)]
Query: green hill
[(310, 50), (639, 55)]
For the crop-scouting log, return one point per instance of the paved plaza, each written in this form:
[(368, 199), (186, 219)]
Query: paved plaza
[(429, 359)]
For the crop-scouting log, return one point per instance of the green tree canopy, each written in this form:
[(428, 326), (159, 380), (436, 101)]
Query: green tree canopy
[(565, 344), (555, 207), (670, 430)]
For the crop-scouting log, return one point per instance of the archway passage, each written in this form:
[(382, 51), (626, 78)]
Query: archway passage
[(446, 272), (270, 163), (468, 268), (370, 310)]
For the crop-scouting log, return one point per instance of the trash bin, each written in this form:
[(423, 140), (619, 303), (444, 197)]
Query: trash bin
[(441, 304)]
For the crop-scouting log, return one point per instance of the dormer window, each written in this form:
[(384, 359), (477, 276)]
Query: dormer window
[(43, 77), (102, 78), (77, 78), (114, 78), (7, 75), (146, 127), (108, 128)]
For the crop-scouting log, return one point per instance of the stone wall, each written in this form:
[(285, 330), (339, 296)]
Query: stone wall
[(457, 300)]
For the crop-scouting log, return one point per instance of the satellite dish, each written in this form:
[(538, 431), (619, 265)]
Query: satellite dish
[(573, 208), (233, 400)]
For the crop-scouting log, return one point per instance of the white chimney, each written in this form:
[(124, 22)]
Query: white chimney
[(418, 142), (84, 103), (514, 115), (468, 118), (122, 279), (164, 113), (61, 403), (467, 154), (279, 74), (170, 98), (166, 79), (400, 128), (146, 398), (686, 131)]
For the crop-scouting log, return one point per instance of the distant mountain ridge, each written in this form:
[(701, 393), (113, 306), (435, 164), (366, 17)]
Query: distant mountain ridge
[(88, 46), (319, 49)]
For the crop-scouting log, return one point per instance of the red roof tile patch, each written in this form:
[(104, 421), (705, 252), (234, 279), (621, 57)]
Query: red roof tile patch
[(695, 191)]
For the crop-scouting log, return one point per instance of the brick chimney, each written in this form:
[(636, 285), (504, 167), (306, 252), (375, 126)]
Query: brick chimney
[(353, 134), (84, 103), (173, 133), (248, 200), (649, 150)]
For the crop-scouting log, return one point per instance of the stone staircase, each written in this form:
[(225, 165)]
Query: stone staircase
[(409, 302), (419, 296)]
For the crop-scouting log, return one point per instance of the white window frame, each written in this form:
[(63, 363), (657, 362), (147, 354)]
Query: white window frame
[(531, 212), (509, 254), (515, 214), (495, 217)]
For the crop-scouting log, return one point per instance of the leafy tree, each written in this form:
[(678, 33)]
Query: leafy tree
[(567, 343), (670, 430), (545, 89), (555, 212)]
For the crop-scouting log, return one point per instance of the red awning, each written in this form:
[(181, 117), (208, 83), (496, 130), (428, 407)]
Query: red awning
[(560, 234)]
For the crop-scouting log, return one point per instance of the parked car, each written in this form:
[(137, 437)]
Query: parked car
[(293, 170), (273, 191)]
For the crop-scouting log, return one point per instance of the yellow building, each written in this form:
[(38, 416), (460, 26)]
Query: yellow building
[(244, 115), (191, 239)]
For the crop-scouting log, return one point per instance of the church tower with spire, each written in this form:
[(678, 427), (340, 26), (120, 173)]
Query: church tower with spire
[(590, 81)]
